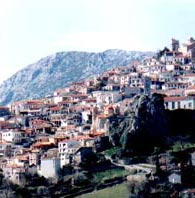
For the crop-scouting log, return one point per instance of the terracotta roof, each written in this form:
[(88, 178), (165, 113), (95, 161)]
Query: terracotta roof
[(39, 102), (191, 87), (90, 100), (69, 127), (69, 140), (189, 75), (80, 107), (96, 133), (103, 116), (21, 157), (174, 91), (169, 99), (42, 144), (38, 121), (14, 166), (66, 102), (5, 142), (57, 108)]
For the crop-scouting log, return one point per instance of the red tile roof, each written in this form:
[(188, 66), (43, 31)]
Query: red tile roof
[(169, 99), (191, 87), (57, 108)]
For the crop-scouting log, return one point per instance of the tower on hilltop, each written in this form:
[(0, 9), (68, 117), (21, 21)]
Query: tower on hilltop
[(147, 85), (174, 44)]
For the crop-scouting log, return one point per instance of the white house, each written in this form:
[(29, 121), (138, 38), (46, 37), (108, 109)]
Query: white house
[(175, 178), (131, 91), (167, 57), (34, 158), (50, 167), (174, 92), (66, 149), (182, 102), (5, 149), (165, 76), (143, 68), (13, 136), (59, 98), (155, 69), (188, 78), (112, 87), (172, 67), (115, 78), (107, 97), (174, 85), (86, 116), (190, 90), (179, 59)]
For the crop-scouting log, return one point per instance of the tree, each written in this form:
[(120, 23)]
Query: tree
[(139, 189), (80, 179)]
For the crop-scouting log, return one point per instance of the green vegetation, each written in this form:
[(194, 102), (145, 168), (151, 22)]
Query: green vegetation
[(112, 151), (81, 179), (117, 191), (101, 177), (178, 146)]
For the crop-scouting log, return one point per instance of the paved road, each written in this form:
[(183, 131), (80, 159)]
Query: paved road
[(144, 168)]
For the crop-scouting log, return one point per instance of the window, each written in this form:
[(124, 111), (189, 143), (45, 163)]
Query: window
[(190, 105), (179, 105), (173, 105), (166, 104)]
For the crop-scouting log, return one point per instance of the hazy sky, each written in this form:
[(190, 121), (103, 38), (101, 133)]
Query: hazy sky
[(32, 29)]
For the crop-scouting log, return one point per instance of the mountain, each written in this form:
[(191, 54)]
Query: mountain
[(61, 69)]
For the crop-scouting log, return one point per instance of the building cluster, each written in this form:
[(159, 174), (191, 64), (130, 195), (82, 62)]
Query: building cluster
[(44, 135)]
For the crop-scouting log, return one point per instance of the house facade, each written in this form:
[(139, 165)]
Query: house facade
[(183, 102)]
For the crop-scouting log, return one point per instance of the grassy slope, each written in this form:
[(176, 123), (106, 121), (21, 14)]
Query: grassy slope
[(99, 177), (118, 191)]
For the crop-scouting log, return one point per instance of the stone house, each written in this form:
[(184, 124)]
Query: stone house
[(81, 154), (15, 174)]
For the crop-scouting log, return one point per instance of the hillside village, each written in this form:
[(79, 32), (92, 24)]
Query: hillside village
[(44, 135)]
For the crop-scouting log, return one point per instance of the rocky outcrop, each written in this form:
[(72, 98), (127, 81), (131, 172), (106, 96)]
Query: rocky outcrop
[(143, 126)]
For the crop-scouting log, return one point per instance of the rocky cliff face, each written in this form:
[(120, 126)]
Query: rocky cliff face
[(143, 127), (59, 70)]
